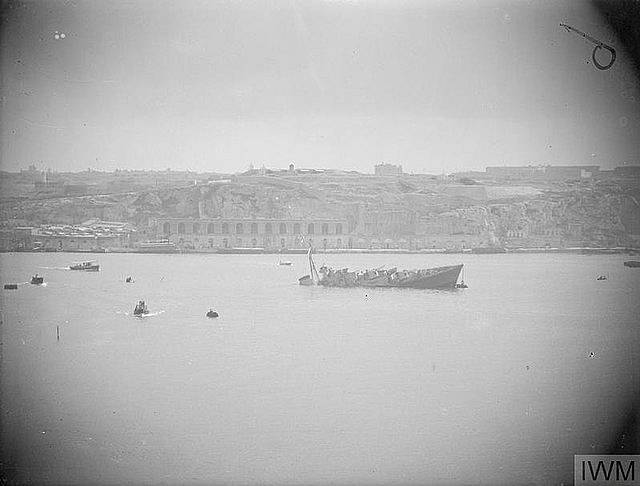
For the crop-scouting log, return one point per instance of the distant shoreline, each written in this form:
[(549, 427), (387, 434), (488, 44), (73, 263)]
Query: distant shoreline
[(256, 251)]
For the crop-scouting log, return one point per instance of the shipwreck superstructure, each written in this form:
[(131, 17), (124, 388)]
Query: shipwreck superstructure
[(427, 278)]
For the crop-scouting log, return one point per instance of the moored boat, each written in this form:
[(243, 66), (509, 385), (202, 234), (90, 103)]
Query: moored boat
[(632, 264), (37, 279), (141, 309), (89, 266)]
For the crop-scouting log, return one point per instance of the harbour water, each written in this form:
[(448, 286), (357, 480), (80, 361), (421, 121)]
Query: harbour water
[(500, 383)]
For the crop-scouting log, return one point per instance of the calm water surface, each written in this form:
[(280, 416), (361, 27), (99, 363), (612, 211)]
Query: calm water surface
[(498, 383)]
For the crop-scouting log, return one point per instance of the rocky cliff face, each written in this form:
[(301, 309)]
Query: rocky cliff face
[(594, 213)]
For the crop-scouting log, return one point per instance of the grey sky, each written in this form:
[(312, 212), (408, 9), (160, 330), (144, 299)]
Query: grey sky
[(218, 85)]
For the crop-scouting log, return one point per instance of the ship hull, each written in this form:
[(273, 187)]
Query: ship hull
[(446, 277), (632, 264), (374, 282), (306, 280)]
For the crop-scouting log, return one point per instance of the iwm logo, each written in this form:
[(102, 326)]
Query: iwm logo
[(606, 470)]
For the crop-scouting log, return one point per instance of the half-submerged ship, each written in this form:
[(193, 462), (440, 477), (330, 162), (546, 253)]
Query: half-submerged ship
[(90, 266), (427, 278)]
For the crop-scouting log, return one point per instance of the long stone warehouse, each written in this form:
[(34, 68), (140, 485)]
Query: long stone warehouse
[(275, 234), (255, 233)]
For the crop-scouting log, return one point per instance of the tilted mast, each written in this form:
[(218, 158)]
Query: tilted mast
[(313, 273)]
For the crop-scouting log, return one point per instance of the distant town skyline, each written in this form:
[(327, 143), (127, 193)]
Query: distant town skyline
[(382, 169), (213, 87)]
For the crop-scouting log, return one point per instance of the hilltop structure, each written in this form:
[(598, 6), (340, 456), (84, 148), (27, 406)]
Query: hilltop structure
[(388, 170)]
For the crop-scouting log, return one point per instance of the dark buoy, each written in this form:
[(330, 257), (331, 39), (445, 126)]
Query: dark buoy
[(212, 313)]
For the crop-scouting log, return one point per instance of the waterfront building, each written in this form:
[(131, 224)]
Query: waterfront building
[(567, 172), (520, 172), (627, 171), (16, 239), (269, 234), (547, 172), (92, 235), (202, 234)]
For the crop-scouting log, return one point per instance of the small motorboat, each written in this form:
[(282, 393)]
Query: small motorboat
[(90, 266), (129, 280), (37, 279), (11, 286), (601, 277), (141, 309), (632, 264), (212, 313), (286, 263)]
